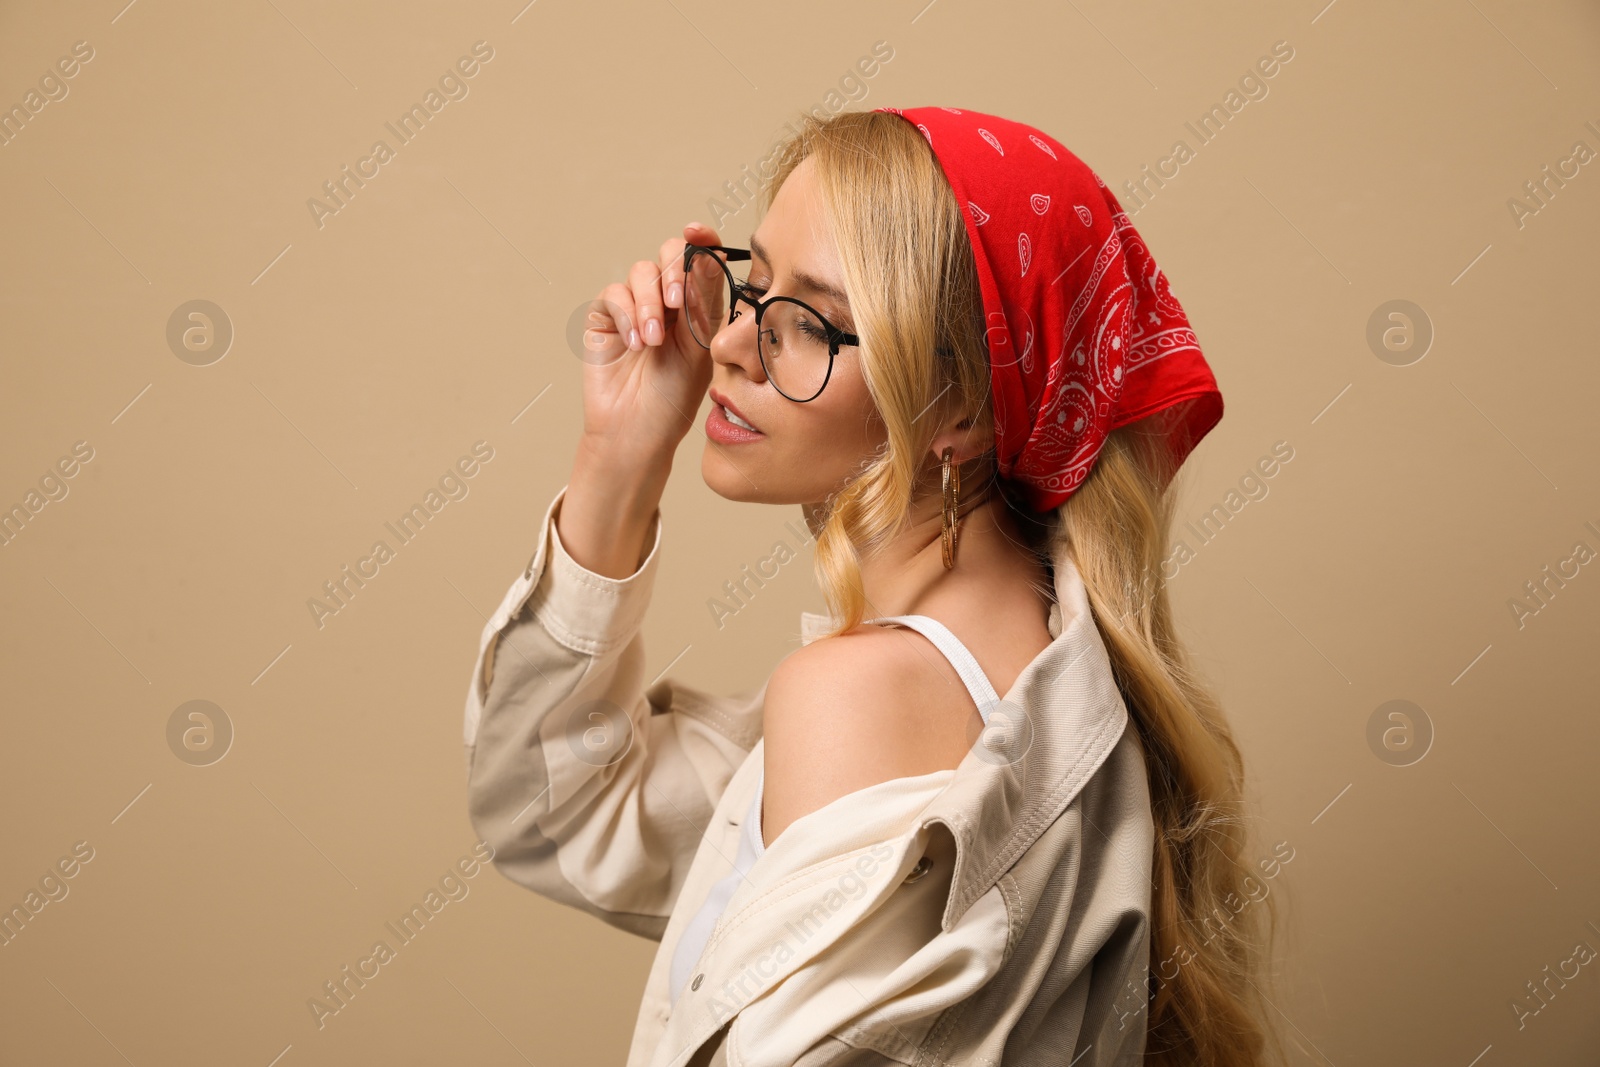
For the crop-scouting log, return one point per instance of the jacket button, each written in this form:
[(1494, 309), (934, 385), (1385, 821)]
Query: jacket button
[(919, 870), (696, 983)]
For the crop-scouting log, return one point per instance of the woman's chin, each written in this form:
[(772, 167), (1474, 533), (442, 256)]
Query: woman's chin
[(732, 481), (725, 479)]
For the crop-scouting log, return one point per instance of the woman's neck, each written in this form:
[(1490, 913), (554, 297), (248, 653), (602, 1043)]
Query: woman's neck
[(908, 574)]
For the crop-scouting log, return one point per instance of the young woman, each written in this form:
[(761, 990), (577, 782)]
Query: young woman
[(985, 813)]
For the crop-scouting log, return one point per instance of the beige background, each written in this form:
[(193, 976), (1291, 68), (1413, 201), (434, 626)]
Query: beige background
[(432, 310)]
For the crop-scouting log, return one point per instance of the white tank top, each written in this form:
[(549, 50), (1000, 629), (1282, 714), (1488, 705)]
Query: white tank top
[(698, 932)]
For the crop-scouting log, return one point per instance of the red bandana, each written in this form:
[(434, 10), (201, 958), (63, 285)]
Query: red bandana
[(1083, 334)]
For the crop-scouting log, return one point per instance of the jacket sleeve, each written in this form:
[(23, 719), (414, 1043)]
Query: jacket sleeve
[(593, 788)]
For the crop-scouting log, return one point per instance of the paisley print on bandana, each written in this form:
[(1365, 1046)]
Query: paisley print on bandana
[(1084, 334)]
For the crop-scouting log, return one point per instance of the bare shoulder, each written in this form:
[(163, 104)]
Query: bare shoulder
[(844, 713)]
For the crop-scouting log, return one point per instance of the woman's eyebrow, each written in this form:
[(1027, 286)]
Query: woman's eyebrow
[(810, 281)]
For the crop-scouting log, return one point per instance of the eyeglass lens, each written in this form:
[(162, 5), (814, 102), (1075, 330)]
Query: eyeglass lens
[(792, 341)]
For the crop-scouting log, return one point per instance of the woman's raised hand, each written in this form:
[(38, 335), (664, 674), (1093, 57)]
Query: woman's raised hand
[(644, 378), (645, 374)]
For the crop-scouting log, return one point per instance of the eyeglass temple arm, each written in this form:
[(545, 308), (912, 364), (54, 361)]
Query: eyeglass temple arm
[(734, 254)]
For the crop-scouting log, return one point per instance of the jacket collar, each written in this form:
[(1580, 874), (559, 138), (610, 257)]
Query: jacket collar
[(1053, 729)]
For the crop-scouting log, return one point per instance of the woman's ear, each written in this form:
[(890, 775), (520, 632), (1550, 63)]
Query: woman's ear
[(970, 436)]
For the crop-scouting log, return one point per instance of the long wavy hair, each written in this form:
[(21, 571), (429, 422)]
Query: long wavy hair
[(908, 267)]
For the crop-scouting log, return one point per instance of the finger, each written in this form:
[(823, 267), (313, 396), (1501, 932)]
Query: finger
[(671, 258), (601, 341), (693, 233), (645, 281), (710, 292), (617, 299), (700, 234), (695, 314)]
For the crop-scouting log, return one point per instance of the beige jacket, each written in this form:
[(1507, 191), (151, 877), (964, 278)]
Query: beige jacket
[(1021, 938)]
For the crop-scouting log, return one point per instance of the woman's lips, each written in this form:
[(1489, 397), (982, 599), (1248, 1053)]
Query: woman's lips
[(719, 429), (731, 413)]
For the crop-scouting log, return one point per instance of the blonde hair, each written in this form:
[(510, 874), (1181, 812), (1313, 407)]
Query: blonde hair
[(908, 266)]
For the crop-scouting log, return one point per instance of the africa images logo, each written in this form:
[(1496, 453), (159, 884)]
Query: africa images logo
[(341, 189)]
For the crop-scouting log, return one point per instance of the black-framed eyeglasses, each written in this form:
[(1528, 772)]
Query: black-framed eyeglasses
[(795, 343)]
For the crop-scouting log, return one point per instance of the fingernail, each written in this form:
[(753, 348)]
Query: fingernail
[(633, 338), (675, 294), (652, 331)]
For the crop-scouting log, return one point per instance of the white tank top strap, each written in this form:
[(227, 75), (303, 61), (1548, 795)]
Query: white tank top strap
[(966, 665), (752, 822)]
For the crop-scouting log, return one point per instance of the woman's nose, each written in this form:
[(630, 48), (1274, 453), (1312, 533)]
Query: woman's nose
[(735, 344)]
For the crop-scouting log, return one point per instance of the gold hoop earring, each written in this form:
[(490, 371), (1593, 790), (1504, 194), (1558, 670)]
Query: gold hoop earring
[(952, 490)]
